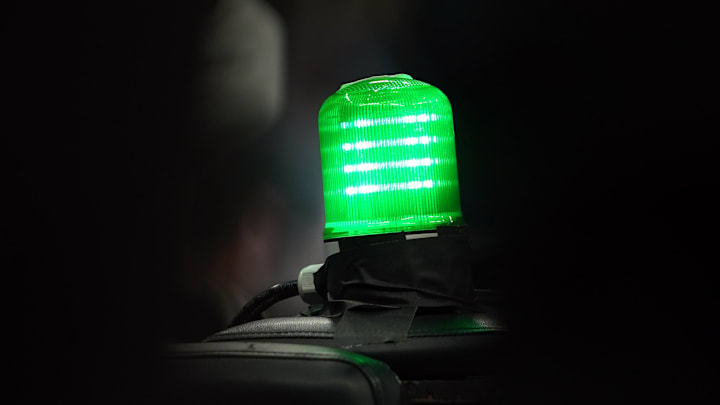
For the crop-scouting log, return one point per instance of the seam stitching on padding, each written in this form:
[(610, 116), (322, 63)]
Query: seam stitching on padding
[(415, 333)]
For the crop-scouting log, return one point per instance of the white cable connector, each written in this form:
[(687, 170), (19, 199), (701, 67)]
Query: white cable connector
[(306, 285)]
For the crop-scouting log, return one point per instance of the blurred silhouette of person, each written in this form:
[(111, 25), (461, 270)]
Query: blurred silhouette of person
[(232, 211)]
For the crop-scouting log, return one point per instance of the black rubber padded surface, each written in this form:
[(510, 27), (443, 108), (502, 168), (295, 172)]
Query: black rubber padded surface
[(269, 373), (438, 346)]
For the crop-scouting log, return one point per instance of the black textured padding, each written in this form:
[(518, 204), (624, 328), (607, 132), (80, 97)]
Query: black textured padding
[(272, 373), (438, 346)]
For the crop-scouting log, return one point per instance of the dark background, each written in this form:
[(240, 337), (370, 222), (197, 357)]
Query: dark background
[(586, 152)]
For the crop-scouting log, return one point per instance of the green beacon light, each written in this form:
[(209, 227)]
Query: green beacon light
[(388, 158)]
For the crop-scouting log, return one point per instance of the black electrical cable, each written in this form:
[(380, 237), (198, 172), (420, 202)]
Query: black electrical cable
[(254, 308)]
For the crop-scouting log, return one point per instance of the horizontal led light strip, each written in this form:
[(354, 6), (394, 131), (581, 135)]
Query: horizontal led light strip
[(376, 188), (405, 119), (367, 167), (409, 141)]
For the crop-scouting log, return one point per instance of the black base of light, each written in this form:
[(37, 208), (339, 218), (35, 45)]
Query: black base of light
[(370, 240), (383, 269)]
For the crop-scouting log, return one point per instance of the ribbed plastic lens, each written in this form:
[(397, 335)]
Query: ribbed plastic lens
[(388, 158)]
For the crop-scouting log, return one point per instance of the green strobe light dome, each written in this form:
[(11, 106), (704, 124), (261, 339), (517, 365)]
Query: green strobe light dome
[(388, 158)]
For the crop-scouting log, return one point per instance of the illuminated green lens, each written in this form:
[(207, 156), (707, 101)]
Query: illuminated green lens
[(388, 158)]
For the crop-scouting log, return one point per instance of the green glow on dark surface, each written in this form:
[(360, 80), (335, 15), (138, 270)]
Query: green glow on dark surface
[(388, 157)]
